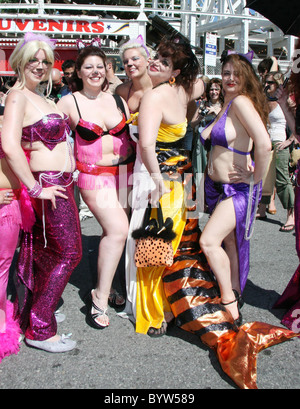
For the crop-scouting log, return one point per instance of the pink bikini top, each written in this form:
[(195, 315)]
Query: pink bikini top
[(88, 137), (91, 132), (51, 129)]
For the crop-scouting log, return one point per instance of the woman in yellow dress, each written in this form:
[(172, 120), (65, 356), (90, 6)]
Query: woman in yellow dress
[(162, 126)]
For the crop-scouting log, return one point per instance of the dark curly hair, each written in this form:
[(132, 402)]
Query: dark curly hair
[(182, 58), (76, 83)]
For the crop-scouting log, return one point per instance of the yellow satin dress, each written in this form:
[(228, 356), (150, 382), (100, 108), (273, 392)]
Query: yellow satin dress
[(151, 301)]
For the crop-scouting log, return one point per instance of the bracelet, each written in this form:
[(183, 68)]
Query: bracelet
[(35, 191)]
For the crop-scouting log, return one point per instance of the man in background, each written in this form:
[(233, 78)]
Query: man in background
[(113, 80)]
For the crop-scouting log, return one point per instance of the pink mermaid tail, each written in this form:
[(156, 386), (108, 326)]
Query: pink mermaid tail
[(193, 296), (9, 340)]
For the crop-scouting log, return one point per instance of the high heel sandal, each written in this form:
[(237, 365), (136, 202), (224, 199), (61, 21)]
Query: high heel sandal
[(239, 298), (239, 320), (92, 318), (113, 299), (159, 332)]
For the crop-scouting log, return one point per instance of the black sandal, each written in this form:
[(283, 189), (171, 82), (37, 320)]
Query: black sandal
[(159, 332), (239, 320), (91, 318), (112, 299), (239, 298)]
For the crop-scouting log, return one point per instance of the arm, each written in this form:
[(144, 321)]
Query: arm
[(11, 137), (149, 121), (66, 105), (198, 89), (15, 110), (282, 145), (282, 95)]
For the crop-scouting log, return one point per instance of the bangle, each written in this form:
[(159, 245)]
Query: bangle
[(35, 191)]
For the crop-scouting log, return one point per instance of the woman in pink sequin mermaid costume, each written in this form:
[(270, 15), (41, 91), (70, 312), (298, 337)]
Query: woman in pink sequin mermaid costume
[(105, 156), (10, 221), (35, 141)]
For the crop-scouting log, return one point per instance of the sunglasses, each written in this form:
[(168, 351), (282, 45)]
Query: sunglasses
[(271, 82), (34, 62)]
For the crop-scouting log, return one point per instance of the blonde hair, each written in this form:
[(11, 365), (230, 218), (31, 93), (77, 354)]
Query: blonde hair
[(135, 44), (23, 53)]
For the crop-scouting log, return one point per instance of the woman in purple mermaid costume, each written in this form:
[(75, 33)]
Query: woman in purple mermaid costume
[(233, 185), (35, 141)]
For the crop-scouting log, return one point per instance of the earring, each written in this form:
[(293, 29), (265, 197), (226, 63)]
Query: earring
[(172, 80)]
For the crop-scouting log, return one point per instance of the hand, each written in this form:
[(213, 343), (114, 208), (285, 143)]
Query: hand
[(6, 196), (282, 145), (158, 192), (282, 95), (241, 175), (50, 193)]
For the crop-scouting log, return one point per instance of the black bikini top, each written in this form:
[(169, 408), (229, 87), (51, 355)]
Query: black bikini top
[(90, 132)]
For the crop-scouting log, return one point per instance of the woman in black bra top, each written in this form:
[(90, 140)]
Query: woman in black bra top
[(105, 156)]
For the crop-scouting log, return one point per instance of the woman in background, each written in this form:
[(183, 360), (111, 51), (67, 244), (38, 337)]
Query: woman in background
[(280, 143), (135, 56)]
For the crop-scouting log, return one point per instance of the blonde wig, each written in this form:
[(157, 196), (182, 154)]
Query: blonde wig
[(24, 52)]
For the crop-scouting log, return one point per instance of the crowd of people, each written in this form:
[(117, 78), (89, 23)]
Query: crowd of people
[(123, 144)]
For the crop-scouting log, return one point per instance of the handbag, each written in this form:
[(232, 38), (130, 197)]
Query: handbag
[(268, 181), (294, 157), (154, 240)]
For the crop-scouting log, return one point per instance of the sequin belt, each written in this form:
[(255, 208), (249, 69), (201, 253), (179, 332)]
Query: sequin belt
[(98, 170), (16, 193)]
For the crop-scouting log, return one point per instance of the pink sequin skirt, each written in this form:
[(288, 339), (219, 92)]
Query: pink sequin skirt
[(43, 272)]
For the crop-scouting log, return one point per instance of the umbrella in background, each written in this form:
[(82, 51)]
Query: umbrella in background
[(284, 14)]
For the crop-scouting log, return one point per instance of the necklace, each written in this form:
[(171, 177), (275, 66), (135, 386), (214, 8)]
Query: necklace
[(161, 83), (91, 96)]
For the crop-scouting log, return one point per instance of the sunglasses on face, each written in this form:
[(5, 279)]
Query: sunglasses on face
[(34, 62)]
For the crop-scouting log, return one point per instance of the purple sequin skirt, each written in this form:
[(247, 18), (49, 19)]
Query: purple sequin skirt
[(216, 192), (43, 272)]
